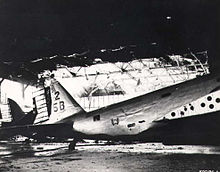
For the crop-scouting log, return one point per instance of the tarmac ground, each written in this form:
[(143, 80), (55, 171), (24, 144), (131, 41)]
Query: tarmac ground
[(20, 156)]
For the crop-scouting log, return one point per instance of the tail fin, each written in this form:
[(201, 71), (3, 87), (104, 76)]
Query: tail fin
[(62, 103), (16, 112), (18, 116)]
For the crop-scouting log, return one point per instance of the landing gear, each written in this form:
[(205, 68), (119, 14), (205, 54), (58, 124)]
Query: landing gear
[(27, 141), (72, 145)]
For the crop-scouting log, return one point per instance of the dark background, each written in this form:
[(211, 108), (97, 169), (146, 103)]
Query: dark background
[(32, 28)]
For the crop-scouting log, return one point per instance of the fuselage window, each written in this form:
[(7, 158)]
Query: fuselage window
[(192, 107), (181, 113), (96, 118), (209, 98), (141, 121), (173, 114), (202, 104), (185, 108), (218, 100), (211, 106)]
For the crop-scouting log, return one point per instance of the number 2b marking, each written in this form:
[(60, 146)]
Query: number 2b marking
[(57, 107)]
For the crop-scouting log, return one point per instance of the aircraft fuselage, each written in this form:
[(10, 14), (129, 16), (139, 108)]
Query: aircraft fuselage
[(132, 117)]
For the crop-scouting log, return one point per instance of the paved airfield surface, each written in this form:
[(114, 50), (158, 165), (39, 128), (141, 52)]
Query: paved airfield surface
[(19, 156)]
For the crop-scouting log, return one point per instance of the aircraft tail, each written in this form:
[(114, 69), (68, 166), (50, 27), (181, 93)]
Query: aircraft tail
[(16, 112), (62, 103), (18, 116)]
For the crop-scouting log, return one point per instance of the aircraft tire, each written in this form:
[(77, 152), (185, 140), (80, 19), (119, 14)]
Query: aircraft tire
[(72, 146)]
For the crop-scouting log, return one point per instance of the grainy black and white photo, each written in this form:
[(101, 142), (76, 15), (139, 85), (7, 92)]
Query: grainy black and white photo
[(109, 85)]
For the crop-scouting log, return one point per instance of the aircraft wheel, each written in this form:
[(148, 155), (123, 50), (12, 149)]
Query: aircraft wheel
[(72, 146), (27, 141)]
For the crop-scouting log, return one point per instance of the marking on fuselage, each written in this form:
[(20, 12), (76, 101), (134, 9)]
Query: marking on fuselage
[(115, 121)]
